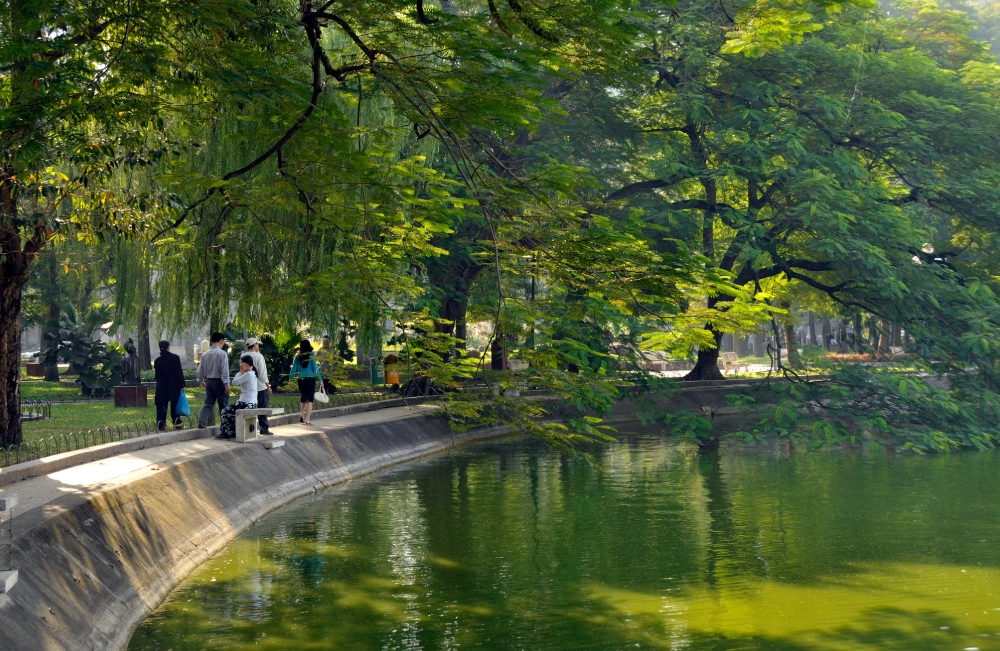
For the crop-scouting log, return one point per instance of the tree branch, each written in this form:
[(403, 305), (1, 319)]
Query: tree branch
[(317, 89), (638, 188), (531, 23), (421, 16), (495, 15)]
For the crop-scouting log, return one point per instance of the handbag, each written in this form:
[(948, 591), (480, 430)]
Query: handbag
[(183, 408), (320, 395)]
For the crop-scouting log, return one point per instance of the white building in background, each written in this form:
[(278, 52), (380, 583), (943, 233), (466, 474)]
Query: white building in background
[(31, 339)]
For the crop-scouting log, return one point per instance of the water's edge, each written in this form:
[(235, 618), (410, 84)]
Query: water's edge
[(92, 567)]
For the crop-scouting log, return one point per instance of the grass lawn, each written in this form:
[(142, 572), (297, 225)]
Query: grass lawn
[(39, 390), (83, 416), (87, 415)]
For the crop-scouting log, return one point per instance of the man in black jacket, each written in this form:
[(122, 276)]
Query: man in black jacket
[(169, 384)]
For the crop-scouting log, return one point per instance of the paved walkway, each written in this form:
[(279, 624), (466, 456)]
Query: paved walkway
[(97, 476)]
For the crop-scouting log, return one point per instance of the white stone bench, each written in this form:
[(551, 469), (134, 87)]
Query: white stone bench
[(246, 425)]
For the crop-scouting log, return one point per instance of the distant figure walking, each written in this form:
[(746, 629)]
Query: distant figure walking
[(213, 376), (169, 384), (305, 371), (246, 380), (263, 384)]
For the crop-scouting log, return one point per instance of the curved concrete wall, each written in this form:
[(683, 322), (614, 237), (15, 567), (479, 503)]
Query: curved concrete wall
[(94, 563)]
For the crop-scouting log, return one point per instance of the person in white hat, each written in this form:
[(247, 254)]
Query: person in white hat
[(263, 385)]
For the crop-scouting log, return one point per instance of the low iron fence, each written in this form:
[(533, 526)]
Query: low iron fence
[(32, 410), (58, 399), (37, 449), (290, 402), (45, 447)]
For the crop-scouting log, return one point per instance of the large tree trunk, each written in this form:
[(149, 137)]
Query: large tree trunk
[(13, 276), (498, 352), (759, 347), (884, 337), (52, 372), (842, 337), (741, 345), (812, 329), (791, 347), (452, 285), (451, 320), (827, 334), (145, 356), (897, 336), (707, 366)]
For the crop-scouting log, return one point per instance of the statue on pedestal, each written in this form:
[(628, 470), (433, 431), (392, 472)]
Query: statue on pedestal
[(131, 365)]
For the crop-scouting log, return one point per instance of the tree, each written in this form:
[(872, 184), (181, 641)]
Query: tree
[(775, 163), (71, 115)]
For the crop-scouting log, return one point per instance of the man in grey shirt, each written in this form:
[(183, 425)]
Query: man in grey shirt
[(213, 376), (263, 384)]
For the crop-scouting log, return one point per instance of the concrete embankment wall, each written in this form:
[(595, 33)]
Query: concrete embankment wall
[(93, 565)]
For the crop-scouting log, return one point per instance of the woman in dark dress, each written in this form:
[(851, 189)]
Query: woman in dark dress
[(304, 370), (169, 384)]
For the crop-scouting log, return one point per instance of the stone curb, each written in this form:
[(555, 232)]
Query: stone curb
[(61, 461), (93, 563)]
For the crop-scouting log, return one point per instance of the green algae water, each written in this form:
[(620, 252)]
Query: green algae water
[(510, 546)]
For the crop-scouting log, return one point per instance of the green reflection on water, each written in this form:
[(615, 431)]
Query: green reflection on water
[(512, 547)]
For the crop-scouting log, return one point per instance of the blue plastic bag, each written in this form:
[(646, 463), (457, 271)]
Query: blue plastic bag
[(183, 408)]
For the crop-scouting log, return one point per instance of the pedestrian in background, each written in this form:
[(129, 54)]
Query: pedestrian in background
[(263, 384), (246, 380), (305, 371), (169, 384), (328, 361), (213, 376)]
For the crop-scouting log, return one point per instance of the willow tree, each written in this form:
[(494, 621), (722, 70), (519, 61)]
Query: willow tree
[(84, 88)]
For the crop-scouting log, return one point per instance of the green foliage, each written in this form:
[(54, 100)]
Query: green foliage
[(73, 335), (590, 178), (96, 363), (101, 369), (875, 407), (279, 350)]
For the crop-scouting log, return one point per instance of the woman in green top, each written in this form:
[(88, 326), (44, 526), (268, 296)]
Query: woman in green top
[(304, 370)]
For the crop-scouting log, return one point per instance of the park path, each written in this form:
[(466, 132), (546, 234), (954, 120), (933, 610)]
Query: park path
[(95, 477)]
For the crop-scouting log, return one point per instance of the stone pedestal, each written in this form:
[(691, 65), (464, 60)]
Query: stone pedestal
[(8, 579), (35, 370), (130, 396)]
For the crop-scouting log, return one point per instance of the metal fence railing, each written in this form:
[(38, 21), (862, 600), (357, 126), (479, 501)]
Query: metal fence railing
[(45, 447), (290, 402), (37, 449), (32, 410), (59, 399)]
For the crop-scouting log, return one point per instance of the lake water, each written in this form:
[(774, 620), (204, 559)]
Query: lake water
[(510, 546)]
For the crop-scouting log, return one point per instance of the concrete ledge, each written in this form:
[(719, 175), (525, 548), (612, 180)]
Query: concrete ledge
[(95, 557), (63, 460), (361, 407), (8, 579), (46, 465)]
